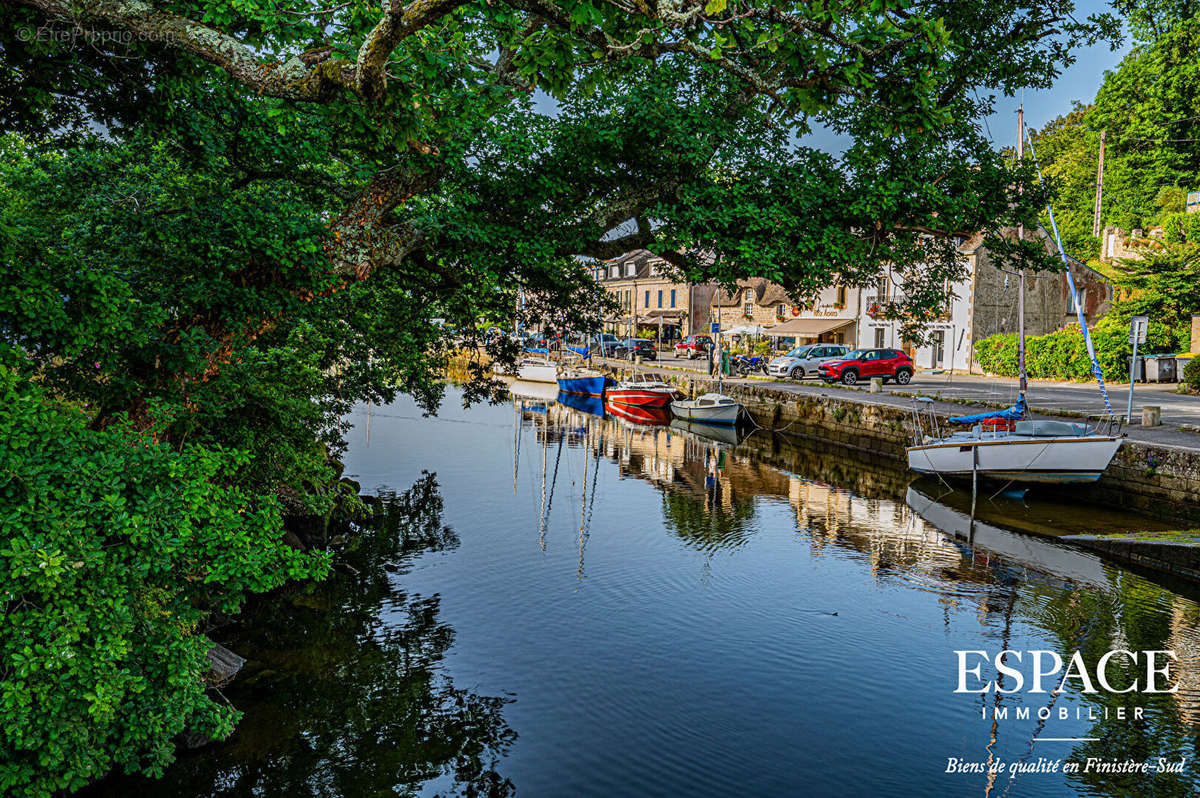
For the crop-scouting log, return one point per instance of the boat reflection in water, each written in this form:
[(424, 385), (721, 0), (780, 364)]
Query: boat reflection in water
[(593, 405), (1013, 548), (725, 435), (633, 414)]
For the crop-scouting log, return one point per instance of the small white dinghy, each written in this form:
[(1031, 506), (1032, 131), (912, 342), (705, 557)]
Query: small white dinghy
[(709, 408)]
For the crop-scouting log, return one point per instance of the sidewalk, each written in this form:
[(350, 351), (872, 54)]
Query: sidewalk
[(967, 393)]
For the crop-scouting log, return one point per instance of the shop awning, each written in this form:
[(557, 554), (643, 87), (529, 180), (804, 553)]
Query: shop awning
[(665, 315), (806, 328)]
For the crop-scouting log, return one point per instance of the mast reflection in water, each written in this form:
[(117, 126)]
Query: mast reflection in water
[(643, 609)]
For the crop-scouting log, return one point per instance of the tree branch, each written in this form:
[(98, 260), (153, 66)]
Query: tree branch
[(292, 79), (398, 22)]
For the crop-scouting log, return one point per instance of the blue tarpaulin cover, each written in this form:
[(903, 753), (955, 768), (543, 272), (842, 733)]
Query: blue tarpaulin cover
[(582, 351), (539, 350), (1014, 413)]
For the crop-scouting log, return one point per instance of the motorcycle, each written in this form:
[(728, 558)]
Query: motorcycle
[(747, 364)]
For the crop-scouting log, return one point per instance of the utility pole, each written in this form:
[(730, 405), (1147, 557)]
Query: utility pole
[(1099, 188)]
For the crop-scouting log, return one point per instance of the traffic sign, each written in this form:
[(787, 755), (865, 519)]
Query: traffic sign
[(1138, 325), (715, 327)]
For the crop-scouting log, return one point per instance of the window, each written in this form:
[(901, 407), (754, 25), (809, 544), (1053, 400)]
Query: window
[(672, 297), (882, 288), (879, 333), (841, 295), (647, 302), (614, 272), (781, 310), (872, 355), (631, 270), (660, 297), (749, 309), (1079, 302)]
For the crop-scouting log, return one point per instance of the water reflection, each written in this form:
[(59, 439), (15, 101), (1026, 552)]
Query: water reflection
[(344, 691), (711, 493), (677, 614)]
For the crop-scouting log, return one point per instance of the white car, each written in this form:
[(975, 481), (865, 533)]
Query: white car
[(802, 361)]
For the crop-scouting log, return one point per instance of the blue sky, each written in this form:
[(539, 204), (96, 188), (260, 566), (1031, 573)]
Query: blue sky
[(1079, 82)]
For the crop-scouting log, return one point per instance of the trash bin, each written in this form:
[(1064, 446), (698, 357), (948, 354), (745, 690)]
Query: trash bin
[(1138, 370), (1160, 368)]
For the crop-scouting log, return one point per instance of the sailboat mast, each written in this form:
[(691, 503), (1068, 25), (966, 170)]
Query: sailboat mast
[(1023, 384)]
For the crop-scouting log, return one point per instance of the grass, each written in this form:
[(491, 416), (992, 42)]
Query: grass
[(1190, 536)]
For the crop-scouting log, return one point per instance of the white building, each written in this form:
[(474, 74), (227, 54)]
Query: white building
[(983, 304)]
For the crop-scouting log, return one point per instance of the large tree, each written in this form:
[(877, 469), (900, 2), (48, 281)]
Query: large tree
[(678, 118)]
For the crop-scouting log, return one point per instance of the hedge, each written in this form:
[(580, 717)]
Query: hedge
[(1062, 354)]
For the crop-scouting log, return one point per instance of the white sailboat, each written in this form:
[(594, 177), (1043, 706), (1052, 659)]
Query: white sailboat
[(1004, 445)]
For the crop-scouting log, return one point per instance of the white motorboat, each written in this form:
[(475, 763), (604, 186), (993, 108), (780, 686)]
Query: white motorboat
[(536, 369), (709, 408)]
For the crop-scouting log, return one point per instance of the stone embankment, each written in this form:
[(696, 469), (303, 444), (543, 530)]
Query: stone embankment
[(1159, 480)]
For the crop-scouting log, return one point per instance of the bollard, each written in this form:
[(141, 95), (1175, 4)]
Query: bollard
[(876, 384), (637, 359), (1151, 416)]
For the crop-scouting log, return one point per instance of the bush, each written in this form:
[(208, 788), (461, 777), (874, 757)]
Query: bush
[(1191, 373), (1062, 354), (115, 547)]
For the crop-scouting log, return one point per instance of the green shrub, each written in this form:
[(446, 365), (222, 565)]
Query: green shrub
[(113, 550), (1062, 354), (1191, 373)]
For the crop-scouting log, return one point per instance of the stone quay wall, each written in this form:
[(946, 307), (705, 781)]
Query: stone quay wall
[(1158, 480)]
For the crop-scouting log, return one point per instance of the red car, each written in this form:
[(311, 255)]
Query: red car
[(863, 364), (693, 346)]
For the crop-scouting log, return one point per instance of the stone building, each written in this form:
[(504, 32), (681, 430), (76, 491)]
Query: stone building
[(984, 303), (650, 297)]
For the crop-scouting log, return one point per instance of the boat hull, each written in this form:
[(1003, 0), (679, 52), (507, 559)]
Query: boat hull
[(640, 397), (1045, 460), (721, 415), (537, 372), (584, 386)]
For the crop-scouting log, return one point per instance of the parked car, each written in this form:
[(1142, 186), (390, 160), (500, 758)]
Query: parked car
[(863, 364), (693, 346), (802, 361), (633, 347), (605, 343)]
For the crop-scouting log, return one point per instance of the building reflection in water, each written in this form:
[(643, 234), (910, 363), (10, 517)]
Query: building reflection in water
[(712, 488)]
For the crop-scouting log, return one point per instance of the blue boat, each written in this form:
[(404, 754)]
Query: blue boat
[(584, 383)]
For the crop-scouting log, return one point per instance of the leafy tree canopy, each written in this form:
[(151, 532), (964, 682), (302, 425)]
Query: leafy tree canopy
[(417, 124)]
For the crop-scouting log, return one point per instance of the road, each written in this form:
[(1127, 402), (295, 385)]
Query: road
[(1073, 397)]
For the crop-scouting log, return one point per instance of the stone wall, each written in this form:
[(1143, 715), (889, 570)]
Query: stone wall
[(1157, 480)]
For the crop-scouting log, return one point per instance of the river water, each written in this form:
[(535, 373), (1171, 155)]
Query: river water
[(553, 603)]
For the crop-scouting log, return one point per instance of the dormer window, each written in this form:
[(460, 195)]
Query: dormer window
[(631, 270)]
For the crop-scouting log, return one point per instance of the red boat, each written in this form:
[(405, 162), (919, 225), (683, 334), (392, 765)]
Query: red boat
[(641, 390), (651, 416)]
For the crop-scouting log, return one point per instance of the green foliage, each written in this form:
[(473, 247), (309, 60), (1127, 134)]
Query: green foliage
[(1191, 373), (1147, 106), (1062, 354), (115, 549)]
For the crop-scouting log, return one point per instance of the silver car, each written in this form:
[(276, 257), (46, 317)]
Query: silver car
[(802, 361)]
